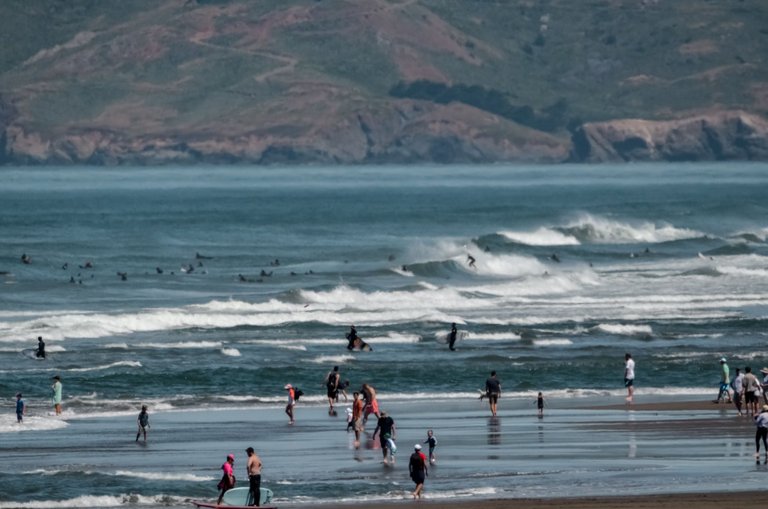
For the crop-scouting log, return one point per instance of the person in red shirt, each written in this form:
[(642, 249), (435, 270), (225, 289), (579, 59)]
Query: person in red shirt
[(417, 466), (228, 478)]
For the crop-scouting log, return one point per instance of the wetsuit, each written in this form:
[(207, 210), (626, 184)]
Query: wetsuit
[(452, 337)]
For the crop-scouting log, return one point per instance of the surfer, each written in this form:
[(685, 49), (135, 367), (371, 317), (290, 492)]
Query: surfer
[(143, 422), (21, 408), (492, 391), (228, 480), (555, 258), (291, 403), (452, 337), (385, 427), (26, 259), (471, 261), (332, 380), (40, 352), (351, 337), (56, 394), (253, 468), (417, 467), (629, 377)]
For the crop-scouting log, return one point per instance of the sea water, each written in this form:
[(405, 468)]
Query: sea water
[(236, 281)]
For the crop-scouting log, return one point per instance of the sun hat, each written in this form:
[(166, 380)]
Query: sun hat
[(231, 457), (765, 408), (722, 359), (764, 370), (288, 386), (417, 447)]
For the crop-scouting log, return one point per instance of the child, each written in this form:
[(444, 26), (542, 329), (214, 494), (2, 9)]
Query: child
[(21, 408), (350, 421), (540, 404), (143, 421), (432, 441)]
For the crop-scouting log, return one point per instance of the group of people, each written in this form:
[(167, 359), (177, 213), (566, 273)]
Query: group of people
[(744, 390), (253, 471)]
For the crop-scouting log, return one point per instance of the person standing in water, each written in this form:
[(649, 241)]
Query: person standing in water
[(540, 404), (357, 417), (143, 422), (351, 337), (452, 337), (417, 467), (56, 394), (761, 421), (253, 468), (40, 352), (332, 381), (21, 408), (385, 427), (432, 442), (492, 391), (629, 377), (291, 403)]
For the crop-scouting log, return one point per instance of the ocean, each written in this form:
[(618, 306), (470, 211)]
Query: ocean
[(239, 280)]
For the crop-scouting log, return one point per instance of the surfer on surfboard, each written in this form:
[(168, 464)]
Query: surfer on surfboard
[(40, 352)]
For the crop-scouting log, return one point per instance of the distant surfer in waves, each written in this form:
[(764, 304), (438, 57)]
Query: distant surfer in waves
[(40, 352), (471, 261), (26, 259), (452, 337)]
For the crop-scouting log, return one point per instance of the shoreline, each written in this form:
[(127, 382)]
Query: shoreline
[(718, 500)]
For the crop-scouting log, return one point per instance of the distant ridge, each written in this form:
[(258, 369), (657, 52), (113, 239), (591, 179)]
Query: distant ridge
[(379, 81)]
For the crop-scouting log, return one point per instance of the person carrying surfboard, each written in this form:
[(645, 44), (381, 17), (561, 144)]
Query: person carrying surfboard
[(385, 427), (291, 402)]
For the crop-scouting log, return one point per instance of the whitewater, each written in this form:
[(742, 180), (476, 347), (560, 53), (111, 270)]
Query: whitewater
[(573, 267)]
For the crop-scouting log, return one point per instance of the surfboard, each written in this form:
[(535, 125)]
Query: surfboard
[(445, 338), (31, 353), (238, 498)]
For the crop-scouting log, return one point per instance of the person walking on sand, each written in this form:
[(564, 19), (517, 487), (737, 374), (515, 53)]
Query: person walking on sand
[(737, 385), (385, 427), (253, 469), (228, 480), (417, 467), (143, 421), (56, 394), (357, 417), (291, 403), (725, 382), (493, 392), (432, 442), (761, 421), (332, 381), (629, 377), (21, 408), (540, 404)]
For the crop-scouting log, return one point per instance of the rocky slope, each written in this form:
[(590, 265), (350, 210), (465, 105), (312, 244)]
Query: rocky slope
[(345, 81)]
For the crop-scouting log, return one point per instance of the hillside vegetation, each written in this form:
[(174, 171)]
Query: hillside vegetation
[(153, 81)]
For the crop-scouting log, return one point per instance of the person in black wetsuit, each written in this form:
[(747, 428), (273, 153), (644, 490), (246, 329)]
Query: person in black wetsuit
[(452, 337), (40, 352)]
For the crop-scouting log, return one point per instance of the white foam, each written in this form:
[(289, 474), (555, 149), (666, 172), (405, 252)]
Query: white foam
[(552, 342), (602, 230), (8, 423), (541, 237), (130, 364), (87, 501), (231, 352), (157, 476), (332, 359), (493, 336), (625, 330), (300, 348), (182, 345)]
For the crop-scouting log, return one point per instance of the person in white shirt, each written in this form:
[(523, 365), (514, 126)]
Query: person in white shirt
[(737, 384), (629, 377)]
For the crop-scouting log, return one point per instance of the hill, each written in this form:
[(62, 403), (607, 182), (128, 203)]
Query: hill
[(358, 81)]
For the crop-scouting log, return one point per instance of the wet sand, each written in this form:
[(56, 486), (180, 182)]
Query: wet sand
[(746, 499)]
